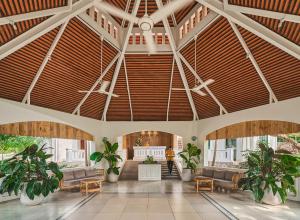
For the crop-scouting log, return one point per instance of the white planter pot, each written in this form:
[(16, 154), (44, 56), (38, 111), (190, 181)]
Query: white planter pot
[(186, 175), (26, 201), (270, 199), (112, 178)]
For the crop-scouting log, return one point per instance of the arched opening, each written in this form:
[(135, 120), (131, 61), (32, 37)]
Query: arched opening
[(137, 146), (227, 146), (70, 146)]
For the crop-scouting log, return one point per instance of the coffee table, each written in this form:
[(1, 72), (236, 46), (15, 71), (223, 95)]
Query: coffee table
[(90, 185), (204, 183)]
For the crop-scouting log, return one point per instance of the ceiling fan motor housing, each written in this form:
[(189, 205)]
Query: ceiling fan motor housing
[(146, 23)]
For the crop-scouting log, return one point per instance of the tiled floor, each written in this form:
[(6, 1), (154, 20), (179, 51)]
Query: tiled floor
[(142, 206), (243, 207), (166, 200)]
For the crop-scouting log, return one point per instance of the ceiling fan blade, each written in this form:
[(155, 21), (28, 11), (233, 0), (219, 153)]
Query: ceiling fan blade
[(199, 92), (116, 11), (149, 41), (178, 89), (104, 85), (168, 9), (112, 94), (206, 83), (83, 91)]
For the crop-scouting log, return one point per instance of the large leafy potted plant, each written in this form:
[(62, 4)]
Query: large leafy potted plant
[(111, 156), (270, 175), (29, 172), (191, 157)]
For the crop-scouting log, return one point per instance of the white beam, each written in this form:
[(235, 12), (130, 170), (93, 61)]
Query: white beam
[(128, 90), (170, 88), (202, 82), (198, 29), (254, 27), (94, 26), (45, 61), (264, 13), (35, 14), (119, 63), (178, 62), (77, 109), (253, 61), (43, 28), (126, 10)]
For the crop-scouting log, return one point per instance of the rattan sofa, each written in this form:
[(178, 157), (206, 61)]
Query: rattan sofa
[(73, 177), (223, 179)]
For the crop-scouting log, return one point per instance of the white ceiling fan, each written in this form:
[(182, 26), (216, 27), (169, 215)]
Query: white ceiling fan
[(102, 89), (197, 89), (146, 22)]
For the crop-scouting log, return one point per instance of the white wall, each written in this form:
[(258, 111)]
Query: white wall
[(287, 110)]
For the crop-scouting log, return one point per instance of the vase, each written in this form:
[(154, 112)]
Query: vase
[(26, 201), (186, 175)]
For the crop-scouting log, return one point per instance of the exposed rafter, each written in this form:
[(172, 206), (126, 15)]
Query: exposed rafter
[(43, 28), (178, 62), (263, 13), (253, 61), (77, 109), (26, 98), (35, 14), (128, 89), (201, 81), (254, 27), (170, 88), (126, 10), (120, 60)]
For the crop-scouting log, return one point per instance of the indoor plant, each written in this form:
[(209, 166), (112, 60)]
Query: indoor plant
[(28, 172), (112, 158), (270, 175), (150, 160), (191, 157)]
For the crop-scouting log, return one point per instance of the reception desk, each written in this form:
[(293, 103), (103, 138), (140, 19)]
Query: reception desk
[(141, 152), (149, 172)]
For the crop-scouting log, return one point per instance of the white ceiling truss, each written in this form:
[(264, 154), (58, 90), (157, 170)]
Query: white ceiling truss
[(36, 14), (170, 88), (120, 60), (128, 90), (26, 98), (263, 13), (178, 62), (235, 15)]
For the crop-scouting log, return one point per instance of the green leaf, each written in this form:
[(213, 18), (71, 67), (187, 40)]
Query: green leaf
[(37, 189), (96, 156), (116, 170), (29, 189)]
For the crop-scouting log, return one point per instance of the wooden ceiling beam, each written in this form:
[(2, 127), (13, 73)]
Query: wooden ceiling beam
[(35, 14), (254, 27), (178, 61), (120, 60), (43, 28), (253, 61)]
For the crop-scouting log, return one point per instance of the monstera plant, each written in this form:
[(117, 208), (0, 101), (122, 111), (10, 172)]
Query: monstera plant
[(191, 157), (111, 156), (270, 175), (29, 172)]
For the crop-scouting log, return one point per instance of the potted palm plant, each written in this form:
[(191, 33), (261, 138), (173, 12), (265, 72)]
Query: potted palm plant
[(29, 173), (270, 175), (191, 158), (110, 155)]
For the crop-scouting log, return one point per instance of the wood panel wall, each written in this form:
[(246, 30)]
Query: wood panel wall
[(45, 129), (254, 128), (160, 139)]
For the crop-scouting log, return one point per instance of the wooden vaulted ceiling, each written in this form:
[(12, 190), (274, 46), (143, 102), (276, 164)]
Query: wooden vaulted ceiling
[(76, 65)]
